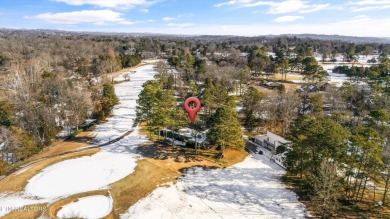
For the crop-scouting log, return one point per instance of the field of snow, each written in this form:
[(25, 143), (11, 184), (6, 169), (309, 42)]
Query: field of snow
[(123, 114), (96, 206), (250, 189), (113, 163), (338, 79), (361, 59), (334, 78), (80, 175)]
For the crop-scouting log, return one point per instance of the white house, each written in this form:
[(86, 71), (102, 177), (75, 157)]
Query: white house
[(270, 141)]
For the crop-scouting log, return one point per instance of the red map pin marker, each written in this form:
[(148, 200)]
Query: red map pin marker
[(190, 111)]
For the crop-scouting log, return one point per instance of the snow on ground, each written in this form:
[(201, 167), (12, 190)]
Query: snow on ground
[(96, 206), (128, 144), (80, 175), (334, 78), (66, 131), (338, 79), (153, 61), (361, 59), (123, 115), (329, 67), (250, 189), (113, 163), (10, 203), (22, 171), (364, 59)]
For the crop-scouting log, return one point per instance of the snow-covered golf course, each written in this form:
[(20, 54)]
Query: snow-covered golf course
[(250, 189)]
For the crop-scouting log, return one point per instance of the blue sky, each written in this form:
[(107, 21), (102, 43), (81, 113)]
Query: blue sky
[(217, 17)]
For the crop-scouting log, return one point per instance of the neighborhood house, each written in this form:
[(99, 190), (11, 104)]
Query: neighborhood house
[(271, 142)]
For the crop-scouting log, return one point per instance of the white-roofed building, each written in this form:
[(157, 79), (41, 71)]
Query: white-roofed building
[(267, 145), (270, 141)]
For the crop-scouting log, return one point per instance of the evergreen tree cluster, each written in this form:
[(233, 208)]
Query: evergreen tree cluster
[(107, 101)]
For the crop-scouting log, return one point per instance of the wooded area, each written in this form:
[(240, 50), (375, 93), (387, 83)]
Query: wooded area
[(340, 152), (52, 84)]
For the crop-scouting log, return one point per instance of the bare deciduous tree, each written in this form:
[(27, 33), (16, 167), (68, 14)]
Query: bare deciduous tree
[(327, 188)]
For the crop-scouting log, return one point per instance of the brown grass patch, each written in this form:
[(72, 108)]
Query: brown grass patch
[(145, 178), (290, 87), (232, 157), (81, 140), (16, 182), (143, 130), (289, 77)]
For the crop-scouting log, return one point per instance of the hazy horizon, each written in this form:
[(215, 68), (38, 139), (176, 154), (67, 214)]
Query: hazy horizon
[(360, 18)]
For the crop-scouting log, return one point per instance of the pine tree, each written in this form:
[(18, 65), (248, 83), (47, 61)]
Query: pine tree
[(107, 101), (366, 151), (314, 139), (109, 92), (164, 113), (5, 113), (225, 129), (148, 103), (251, 103)]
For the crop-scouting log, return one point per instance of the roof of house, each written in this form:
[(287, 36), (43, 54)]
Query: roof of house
[(272, 137)]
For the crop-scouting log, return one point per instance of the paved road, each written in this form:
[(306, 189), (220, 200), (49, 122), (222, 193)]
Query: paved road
[(250, 147)]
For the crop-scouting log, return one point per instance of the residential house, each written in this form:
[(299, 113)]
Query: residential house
[(270, 141), (319, 86), (272, 85)]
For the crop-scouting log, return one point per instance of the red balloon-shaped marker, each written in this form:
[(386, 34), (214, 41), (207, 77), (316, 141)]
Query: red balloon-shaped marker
[(192, 112)]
